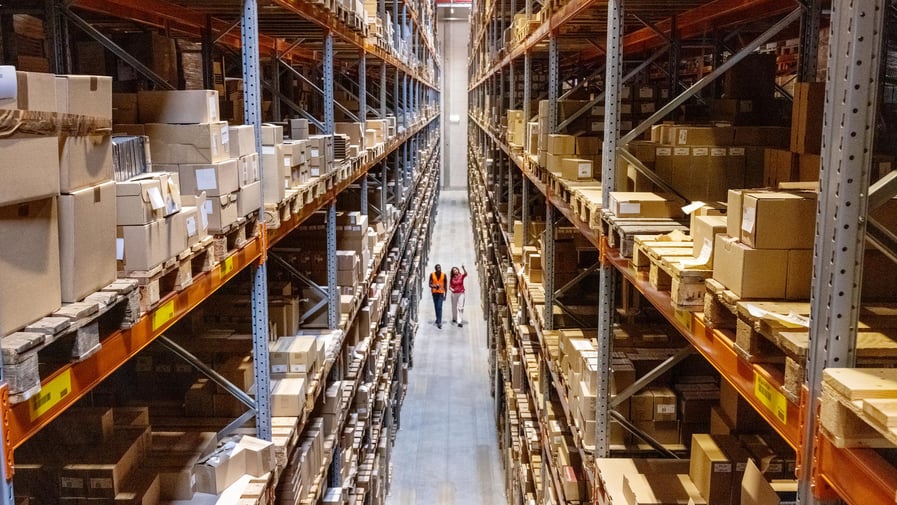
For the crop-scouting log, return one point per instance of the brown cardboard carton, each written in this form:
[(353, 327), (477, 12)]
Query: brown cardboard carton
[(576, 169), (748, 272), (663, 162), (710, 469), (287, 397), (561, 144), (241, 139), (29, 165), (806, 117), (249, 199), (733, 212), (142, 247), (704, 232), (176, 478), (34, 91), (636, 204), (141, 488), (87, 240), (29, 263), (777, 220), (591, 146), (84, 161), (221, 211), (800, 274), (274, 185), (219, 470), (704, 135), (189, 143), (272, 134), (664, 404), (124, 108), (214, 178), (85, 95), (178, 106), (740, 457), (138, 202), (808, 166), (780, 165), (756, 490), (260, 457), (294, 354), (660, 489)]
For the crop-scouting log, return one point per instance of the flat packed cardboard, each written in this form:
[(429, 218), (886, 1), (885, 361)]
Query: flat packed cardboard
[(749, 272), (142, 247), (178, 106), (29, 165), (85, 95), (87, 240), (194, 143), (215, 179), (777, 220), (241, 139), (84, 161), (34, 91), (710, 469), (29, 263), (640, 204)]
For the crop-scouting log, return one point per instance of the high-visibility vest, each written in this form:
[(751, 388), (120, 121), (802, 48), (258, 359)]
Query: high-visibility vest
[(439, 282)]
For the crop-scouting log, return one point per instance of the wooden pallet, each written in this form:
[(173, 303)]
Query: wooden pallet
[(663, 259), (620, 232), (72, 333), (235, 236), (859, 407), (173, 275)]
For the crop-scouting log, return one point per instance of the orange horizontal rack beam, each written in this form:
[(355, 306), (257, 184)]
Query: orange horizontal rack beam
[(71, 382), (859, 476)]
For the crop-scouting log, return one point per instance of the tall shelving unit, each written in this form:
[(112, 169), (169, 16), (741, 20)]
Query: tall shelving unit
[(284, 36), (614, 41)]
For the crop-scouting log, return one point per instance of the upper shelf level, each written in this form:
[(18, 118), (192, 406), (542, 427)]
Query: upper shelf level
[(646, 26), (282, 23)]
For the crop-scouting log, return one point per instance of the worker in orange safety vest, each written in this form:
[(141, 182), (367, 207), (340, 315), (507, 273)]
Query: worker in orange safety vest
[(438, 287)]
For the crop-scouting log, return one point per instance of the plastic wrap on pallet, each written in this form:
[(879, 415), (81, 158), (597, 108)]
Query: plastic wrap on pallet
[(130, 156)]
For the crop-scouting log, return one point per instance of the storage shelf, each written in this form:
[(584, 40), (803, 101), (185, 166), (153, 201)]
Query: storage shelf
[(689, 24), (190, 18), (77, 379)]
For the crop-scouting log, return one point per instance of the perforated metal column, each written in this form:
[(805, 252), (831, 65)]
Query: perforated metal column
[(328, 84), (332, 290), (849, 124), (252, 109)]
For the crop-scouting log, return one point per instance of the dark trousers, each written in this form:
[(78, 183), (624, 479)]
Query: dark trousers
[(438, 298)]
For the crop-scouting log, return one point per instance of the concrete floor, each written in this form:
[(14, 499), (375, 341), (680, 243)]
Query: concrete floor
[(446, 449)]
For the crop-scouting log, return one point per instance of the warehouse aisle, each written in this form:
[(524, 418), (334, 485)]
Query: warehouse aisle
[(446, 448)]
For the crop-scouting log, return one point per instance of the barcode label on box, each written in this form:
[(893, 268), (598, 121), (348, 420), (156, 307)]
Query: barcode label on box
[(279, 368), (700, 151), (736, 151), (717, 151), (666, 409), (722, 467)]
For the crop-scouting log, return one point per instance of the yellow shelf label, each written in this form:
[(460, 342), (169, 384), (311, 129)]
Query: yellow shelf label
[(50, 394), (771, 398), (227, 267), (163, 314)]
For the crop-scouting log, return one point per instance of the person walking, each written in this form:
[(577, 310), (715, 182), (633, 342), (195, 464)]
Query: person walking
[(438, 288), (456, 284)]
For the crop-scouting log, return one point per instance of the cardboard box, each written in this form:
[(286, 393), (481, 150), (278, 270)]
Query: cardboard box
[(34, 91), (192, 225), (141, 488), (756, 490), (176, 478), (219, 470), (800, 274), (641, 204), (704, 231), (777, 220), (287, 397), (169, 184), (221, 211), (591, 146), (740, 457), (664, 404), (194, 143), (29, 165), (294, 354), (138, 202), (141, 248), (749, 272), (178, 106), (780, 165), (704, 135), (249, 169), (660, 489), (241, 139), (105, 468), (710, 469), (87, 240), (561, 144), (807, 117), (275, 174), (29, 263), (215, 179), (249, 199), (85, 95), (84, 161), (576, 169), (124, 108), (272, 135)]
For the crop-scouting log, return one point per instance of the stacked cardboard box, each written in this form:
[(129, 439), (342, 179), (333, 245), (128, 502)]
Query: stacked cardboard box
[(768, 250), (275, 171), (320, 155)]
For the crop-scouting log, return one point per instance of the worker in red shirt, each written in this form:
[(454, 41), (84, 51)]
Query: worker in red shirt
[(456, 284), (438, 287)]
